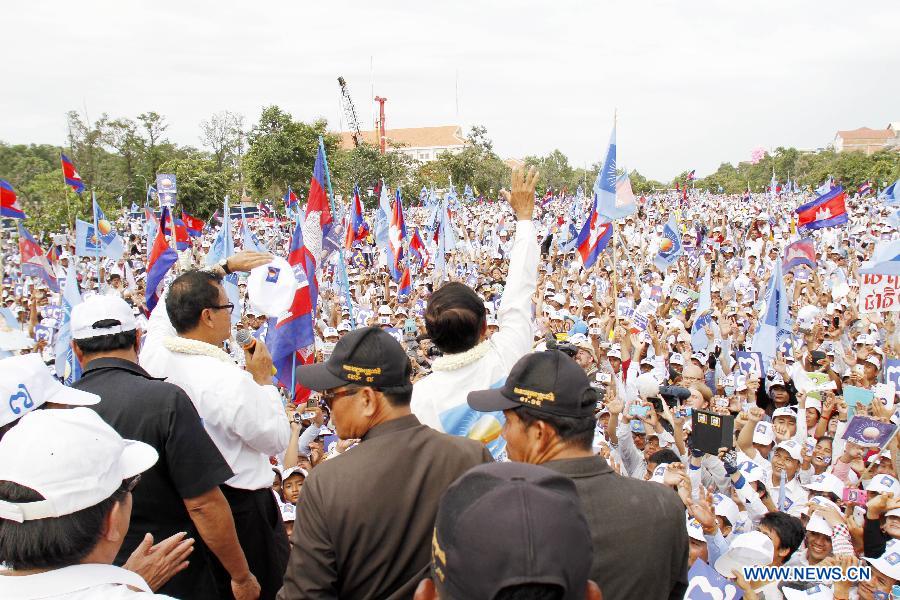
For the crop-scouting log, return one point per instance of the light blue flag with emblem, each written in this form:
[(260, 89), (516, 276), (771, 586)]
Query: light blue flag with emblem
[(250, 241), (110, 242), (222, 248), (670, 246), (703, 317), (67, 366), (608, 205), (772, 328), (891, 194)]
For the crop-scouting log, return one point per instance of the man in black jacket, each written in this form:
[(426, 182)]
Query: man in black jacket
[(638, 528)]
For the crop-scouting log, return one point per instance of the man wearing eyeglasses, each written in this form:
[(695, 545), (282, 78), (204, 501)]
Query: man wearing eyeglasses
[(365, 525), (241, 409)]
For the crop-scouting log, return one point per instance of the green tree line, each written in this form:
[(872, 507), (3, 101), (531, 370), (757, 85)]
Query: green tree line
[(118, 158)]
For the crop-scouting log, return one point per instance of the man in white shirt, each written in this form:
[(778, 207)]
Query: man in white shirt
[(456, 321), (65, 505), (241, 409)]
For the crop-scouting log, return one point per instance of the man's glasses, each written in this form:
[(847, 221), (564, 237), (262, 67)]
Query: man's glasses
[(229, 306), (329, 397)]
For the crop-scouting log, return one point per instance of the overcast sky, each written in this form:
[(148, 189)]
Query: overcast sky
[(695, 83)]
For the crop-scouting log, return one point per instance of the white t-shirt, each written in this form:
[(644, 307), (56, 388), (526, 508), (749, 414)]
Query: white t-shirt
[(78, 582)]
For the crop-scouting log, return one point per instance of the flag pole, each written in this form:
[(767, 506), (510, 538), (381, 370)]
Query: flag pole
[(97, 233), (615, 281), (344, 280)]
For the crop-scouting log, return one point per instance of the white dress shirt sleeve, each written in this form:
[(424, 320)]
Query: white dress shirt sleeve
[(515, 337)]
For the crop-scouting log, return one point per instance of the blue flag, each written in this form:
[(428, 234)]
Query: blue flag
[(891, 194), (670, 247), (605, 187), (703, 316), (67, 366), (250, 241), (772, 328), (223, 244), (885, 259), (110, 243), (88, 242)]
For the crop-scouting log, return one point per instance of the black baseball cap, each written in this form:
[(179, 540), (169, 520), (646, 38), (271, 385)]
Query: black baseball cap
[(367, 357), (548, 381), (506, 524)]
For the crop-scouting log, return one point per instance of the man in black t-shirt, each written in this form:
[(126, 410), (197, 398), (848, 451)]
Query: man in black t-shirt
[(181, 491)]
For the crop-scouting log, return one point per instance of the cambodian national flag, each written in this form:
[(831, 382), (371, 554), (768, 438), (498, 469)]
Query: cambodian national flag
[(594, 237), (193, 225), (801, 252), (9, 202), (70, 174), (34, 262), (396, 234), (690, 176), (290, 199), (161, 259), (417, 248), (358, 229), (182, 238), (315, 223), (828, 210), (865, 189), (291, 335), (405, 287)]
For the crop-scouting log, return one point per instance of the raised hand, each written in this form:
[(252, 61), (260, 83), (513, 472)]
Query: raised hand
[(521, 199)]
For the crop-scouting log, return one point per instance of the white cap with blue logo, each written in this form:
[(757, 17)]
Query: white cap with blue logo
[(27, 383)]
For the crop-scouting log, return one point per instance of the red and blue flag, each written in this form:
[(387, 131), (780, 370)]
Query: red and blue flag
[(193, 225), (161, 259), (315, 226), (33, 261), (865, 189), (828, 210), (182, 238), (801, 252), (417, 248), (290, 199), (291, 335), (9, 202), (404, 289), (594, 237), (70, 174), (396, 235), (690, 176), (357, 229)]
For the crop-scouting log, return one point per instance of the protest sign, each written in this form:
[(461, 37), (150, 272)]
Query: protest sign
[(879, 293), (683, 294), (892, 372), (750, 363), (704, 583), (868, 432)]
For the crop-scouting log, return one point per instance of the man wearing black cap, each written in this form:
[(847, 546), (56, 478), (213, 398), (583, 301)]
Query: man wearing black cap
[(637, 527), (365, 526), (510, 530)]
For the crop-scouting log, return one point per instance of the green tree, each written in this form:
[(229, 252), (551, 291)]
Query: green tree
[(201, 185), (365, 165), (283, 152)]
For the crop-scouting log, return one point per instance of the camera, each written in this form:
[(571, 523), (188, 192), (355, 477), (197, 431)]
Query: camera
[(674, 394), (564, 347)]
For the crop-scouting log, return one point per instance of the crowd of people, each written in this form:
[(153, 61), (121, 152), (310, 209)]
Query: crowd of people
[(512, 423)]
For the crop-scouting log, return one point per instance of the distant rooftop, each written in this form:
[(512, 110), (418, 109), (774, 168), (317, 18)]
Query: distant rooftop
[(414, 137)]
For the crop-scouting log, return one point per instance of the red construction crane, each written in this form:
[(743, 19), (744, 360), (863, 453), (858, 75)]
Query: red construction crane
[(382, 140)]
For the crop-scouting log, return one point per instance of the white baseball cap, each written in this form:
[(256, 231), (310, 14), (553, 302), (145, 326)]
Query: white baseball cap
[(676, 359), (99, 308), (784, 411), (752, 549), (884, 484), (330, 332), (272, 286), (694, 529), (70, 457), (763, 433), (888, 563), (725, 507), (792, 448), (817, 524), (826, 482), (28, 384)]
